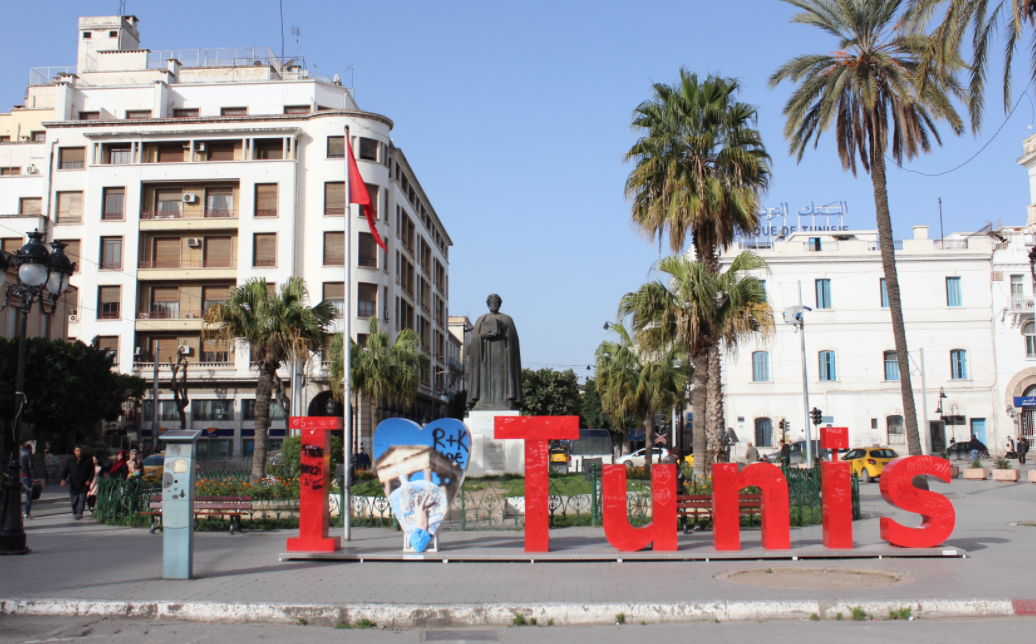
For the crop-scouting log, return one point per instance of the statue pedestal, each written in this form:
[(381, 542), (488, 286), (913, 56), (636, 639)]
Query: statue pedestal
[(489, 455)]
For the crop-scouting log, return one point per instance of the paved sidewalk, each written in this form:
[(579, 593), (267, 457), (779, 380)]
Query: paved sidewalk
[(89, 561)]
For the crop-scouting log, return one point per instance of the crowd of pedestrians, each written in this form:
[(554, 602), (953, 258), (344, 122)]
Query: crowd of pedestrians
[(81, 474)]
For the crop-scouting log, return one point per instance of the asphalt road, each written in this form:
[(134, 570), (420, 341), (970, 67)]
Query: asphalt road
[(38, 630)]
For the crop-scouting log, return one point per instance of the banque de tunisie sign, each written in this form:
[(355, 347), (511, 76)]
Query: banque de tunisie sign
[(896, 485)]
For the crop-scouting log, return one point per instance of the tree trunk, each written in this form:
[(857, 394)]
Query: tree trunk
[(649, 441), (263, 392), (717, 424), (698, 427), (888, 263)]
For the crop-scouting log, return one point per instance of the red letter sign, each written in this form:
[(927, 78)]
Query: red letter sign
[(726, 510), (897, 488), (836, 491), (661, 530), (536, 431), (314, 481)]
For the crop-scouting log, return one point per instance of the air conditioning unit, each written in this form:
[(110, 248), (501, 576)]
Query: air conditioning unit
[(73, 318), (31, 169), (194, 242), (200, 147), (190, 198), (184, 349)]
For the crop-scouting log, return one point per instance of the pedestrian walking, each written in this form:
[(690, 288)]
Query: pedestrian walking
[(1023, 449), (134, 466), (27, 476), (119, 469), (785, 454), (91, 496), (77, 475), (363, 460), (1012, 452), (751, 454), (675, 457)]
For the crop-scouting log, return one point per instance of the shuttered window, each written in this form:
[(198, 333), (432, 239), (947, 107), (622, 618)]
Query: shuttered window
[(73, 252), (164, 349), (220, 151), (334, 249), (212, 295), (12, 244), (218, 252), (271, 290), (71, 158), (953, 297), (334, 198), (171, 153), (30, 206), (191, 112), (108, 301), (367, 300), (373, 191), (165, 294), (336, 147), (368, 251), (266, 200), (297, 109), (334, 292), (760, 366), (70, 207), (168, 202), (165, 302), (167, 252), (269, 149), (264, 249), (368, 149), (216, 351), (111, 253), (109, 344), (114, 200)]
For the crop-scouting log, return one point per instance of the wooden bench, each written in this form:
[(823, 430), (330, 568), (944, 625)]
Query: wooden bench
[(696, 505), (205, 507)]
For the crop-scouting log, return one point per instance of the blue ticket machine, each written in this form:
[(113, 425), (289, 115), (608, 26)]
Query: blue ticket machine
[(178, 504)]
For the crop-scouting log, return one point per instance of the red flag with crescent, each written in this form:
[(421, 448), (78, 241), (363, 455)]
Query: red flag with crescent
[(358, 194)]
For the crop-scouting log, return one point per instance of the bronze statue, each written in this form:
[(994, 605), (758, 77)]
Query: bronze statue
[(494, 362)]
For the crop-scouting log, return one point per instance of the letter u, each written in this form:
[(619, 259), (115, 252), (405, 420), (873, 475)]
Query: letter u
[(662, 529)]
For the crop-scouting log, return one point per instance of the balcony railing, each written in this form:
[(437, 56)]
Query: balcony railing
[(368, 262), (825, 245), (188, 263), (334, 261), (265, 212), (148, 366), (896, 245), (261, 263), (69, 220), (755, 245), (334, 211), (950, 244), (182, 211), (367, 308), (107, 315), (1021, 303), (166, 314)]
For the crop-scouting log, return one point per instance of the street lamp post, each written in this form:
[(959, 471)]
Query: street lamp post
[(42, 276)]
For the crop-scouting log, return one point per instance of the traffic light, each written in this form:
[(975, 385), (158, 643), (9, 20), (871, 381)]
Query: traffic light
[(784, 426), (816, 415)]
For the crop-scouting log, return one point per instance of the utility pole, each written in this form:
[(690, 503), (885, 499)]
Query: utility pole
[(154, 403), (925, 445), (940, 219), (796, 317)]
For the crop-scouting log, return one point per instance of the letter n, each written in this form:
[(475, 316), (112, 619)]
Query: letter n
[(662, 529), (726, 511)]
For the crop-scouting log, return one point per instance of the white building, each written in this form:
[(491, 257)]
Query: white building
[(176, 175), (968, 311)]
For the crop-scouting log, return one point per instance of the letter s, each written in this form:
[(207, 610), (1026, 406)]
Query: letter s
[(937, 514)]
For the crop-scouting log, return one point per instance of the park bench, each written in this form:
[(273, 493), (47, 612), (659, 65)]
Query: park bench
[(696, 505), (205, 507)]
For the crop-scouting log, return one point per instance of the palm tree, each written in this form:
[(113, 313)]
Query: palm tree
[(278, 327), (700, 167), (383, 373), (692, 309), (633, 382), (871, 88)]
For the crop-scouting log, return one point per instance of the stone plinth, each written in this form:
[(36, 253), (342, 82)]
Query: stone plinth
[(489, 455)]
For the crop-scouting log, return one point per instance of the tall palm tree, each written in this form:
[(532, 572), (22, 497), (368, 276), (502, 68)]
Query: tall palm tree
[(383, 373), (873, 87), (279, 327), (700, 167), (634, 382), (692, 309)]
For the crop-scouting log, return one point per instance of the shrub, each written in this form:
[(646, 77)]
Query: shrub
[(620, 618), (903, 613), (976, 464), (289, 463), (1003, 464), (518, 620), (859, 615)]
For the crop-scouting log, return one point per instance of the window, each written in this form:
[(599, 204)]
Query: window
[(169, 203), (368, 149), (827, 366), (89, 116), (212, 409), (296, 109), (216, 351), (164, 349), (248, 412), (70, 207), (1029, 331), (953, 291), (763, 432), (334, 248), (264, 249), (166, 411), (87, 35), (213, 295), (109, 299), (114, 200), (219, 252), (368, 251), (1017, 286), (248, 444), (266, 200), (269, 149), (334, 292), (166, 252), (824, 294), (760, 366), (896, 430), (334, 198), (271, 290), (39, 137), (374, 193), (138, 114), (165, 303), (891, 366), (884, 295), (219, 202), (173, 153), (186, 113), (958, 364), (874, 424), (336, 147), (30, 206), (71, 158), (11, 245), (5, 139), (73, 252), (119, 155), (367, 302), (233, 111), (111, 253), (219, 151), (9, 172)]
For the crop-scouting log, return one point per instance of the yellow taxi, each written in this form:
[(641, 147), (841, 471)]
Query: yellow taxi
[(559, 458), (154, 466), (867, 463)]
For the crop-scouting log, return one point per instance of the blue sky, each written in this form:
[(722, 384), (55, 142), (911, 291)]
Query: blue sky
[(516, 115)]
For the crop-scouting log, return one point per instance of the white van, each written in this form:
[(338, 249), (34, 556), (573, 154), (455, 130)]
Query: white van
[(592, 443)]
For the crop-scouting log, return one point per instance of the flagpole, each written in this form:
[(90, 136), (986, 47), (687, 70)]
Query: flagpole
[(347, 350)]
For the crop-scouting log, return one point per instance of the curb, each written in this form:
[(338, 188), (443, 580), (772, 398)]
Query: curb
[(408, 616)]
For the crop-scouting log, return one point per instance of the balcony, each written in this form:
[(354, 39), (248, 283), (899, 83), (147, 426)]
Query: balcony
[(169, 314), (179, 210), (1021, 304), (368, 262), (896, 245), (170, 319), (186, 263), (148, 367), (950, 244), (818, 246)]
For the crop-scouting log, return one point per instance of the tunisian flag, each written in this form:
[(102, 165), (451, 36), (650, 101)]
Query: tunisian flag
[(358, 194)]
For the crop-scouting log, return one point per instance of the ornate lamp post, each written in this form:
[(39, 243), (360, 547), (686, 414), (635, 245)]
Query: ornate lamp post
[(42, 276)]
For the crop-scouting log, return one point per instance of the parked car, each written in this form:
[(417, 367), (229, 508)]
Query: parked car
[(637, 458), (798, 453), (868, 463)]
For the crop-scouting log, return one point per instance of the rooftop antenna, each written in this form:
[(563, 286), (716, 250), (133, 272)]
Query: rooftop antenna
[(295, 31), (122, 8), (940, 219), (281, 2)]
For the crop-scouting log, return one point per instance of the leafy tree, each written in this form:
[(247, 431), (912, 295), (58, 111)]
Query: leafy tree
[(278, 328), (591, 413), (700, 167), (691, 309), (550, 393), (290, 464), (457, 405), (873, 87)]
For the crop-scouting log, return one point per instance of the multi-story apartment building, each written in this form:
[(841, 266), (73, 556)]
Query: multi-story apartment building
[(176, 175)]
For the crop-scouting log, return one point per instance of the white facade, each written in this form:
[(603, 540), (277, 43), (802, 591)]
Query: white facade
[(176, 175)]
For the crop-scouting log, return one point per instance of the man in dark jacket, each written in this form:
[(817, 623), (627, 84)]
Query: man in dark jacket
[(78, 473), (27, 474)]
